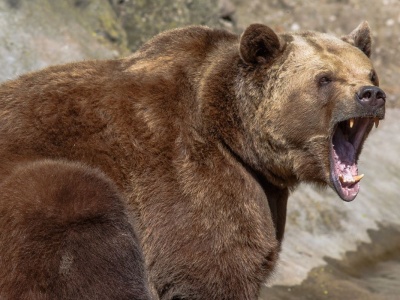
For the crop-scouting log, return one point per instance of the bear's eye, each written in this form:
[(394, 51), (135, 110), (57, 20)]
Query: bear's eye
[(324, 80), (374, 78)]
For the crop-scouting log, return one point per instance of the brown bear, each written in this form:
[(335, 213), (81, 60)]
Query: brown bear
[(204, 134)]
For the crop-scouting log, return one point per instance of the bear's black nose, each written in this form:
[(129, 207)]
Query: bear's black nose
[(371, 97)]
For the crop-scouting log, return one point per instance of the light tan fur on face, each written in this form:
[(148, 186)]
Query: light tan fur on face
[(296, 115)]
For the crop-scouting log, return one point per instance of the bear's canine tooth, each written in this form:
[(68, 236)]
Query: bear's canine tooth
[(357, 178), (351, 123), (376, 121)]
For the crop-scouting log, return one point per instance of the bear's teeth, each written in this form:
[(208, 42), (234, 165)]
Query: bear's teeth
[(344, 180), (351, 123), (355, 179), (376, 120)]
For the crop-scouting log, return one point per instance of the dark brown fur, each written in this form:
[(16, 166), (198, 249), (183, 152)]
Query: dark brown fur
[(65, 234), (202, 134)]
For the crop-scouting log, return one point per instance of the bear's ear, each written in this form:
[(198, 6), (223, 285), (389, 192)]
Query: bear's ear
[(259, 44), (360, 38)]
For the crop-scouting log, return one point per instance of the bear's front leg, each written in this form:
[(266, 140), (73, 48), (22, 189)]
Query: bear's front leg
[(199, 270), (220, 243)]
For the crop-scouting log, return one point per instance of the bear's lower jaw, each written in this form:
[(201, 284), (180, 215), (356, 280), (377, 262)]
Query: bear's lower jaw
[(346, 143)]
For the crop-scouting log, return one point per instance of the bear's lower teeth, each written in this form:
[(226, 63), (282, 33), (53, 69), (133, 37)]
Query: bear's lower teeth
[(354, 179)]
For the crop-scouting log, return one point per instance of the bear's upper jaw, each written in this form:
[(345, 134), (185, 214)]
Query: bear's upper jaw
[(346, 143)]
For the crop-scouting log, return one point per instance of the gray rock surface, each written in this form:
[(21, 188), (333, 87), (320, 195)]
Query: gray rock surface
[(142, 19), (37, 33)]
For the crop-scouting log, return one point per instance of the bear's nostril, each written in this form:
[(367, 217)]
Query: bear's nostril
[(380, 95), (367, 95)]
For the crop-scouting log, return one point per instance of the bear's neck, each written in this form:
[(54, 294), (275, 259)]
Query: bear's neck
[(226, 90)]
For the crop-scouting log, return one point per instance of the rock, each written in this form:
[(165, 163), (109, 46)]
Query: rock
[(35, 34), (143, 19)]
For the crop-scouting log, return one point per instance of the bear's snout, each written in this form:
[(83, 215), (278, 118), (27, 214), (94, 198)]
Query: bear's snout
[(371, 97)]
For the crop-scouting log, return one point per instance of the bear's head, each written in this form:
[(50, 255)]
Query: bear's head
[(307, 102)]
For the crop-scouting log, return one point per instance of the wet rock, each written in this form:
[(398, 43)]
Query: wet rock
[(371, 271)]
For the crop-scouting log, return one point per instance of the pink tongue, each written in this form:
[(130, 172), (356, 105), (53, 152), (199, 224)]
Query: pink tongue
[(344, 158)]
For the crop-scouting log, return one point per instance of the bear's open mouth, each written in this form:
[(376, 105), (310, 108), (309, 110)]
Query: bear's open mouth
[(346, 144)]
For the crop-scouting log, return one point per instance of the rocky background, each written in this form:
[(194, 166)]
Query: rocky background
[(332, 249)]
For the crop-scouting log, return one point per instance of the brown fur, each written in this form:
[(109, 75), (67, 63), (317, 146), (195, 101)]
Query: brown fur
[(203, 134), (65, 235)]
